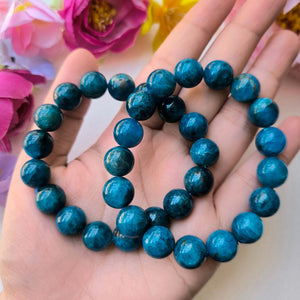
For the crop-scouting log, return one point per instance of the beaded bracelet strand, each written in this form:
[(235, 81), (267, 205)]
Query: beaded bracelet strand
[(135, 226)]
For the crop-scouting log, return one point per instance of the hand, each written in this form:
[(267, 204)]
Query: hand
[(37, 262)]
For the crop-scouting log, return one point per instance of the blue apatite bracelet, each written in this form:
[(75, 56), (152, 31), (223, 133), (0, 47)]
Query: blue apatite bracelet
[(136, 227)]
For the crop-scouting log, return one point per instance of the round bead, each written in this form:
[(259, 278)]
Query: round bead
[(193, 126), (93, 84), (218, 75), (158, 241), (120, 86), (245, 88), (222, 246), (264, 202), (270, 141), (48, 117), (157, 216), (38, 143), (188, 72), (97, 236), (118, 192), (171, 109), (178, 203), (141, 87), (161, 83), (35, 173), (263, 112), (70, 220), (50, 199), (118, 161), (272, 172), (190, 252), (198, 181), (67, 96), (247, 227), (204, 152), (128, 133), (132, 221), (126, 243)]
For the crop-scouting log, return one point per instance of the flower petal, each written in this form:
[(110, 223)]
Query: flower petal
[(6, 115)]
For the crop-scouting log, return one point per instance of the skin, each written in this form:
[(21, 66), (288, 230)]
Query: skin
[(37, 262)]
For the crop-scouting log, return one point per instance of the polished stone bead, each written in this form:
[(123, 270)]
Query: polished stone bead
[(218, 75), (35, 173), (118, 192), (128, 133), (204, 152), (161, 83), (247, 227), (38, 143), (190, 252), (157, 216), (222, 246), (188, 72), (118, 161), (193, 126), (132, 221), (158, 241), (178, 203), (142, 87), (97, 236), (263, 112), (126, 243), (245, 88), (264, 202), (198, 181), (120, 86), (48, 117), (67, 96), (140, 106), (270, 141), (50, 198), (272, 172), (70, 220), (171, 109), (93, 84)]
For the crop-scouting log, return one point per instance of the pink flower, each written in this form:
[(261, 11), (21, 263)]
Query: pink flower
[(102, 26), (16, 102)]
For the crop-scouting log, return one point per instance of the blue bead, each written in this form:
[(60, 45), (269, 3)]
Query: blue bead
[(222, 246), (118, 192), (67, 96), (128, 133), (193, 126), (48, 117), (35, 173), (141, 87), (97, 236), (272, 172), (245, 88), (171, 109), (120, 86), (93, 84), (190, 252), (118, 161), (198, 181), (204, 152), (50, 199), (161, 83), (132, 221), (188, 72), (157, 216), (70, 220), (178, 203), (247, 227), (126, 243), (218, 75), (158, 241), (38, 143), (270, 141), (264, 202), (263, 112)]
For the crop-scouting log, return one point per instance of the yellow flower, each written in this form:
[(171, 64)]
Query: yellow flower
[(167, 15)]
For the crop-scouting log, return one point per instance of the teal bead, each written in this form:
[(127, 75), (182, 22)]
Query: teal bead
[(125, 243), (48, 117), (157, 216), (67, 96), (120, 86), (171, 109), (93, 84)]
